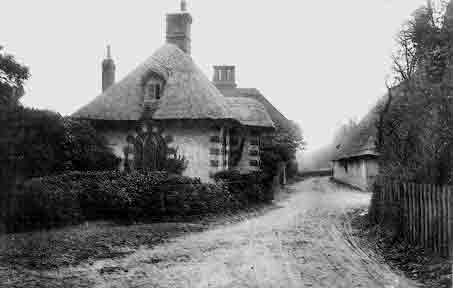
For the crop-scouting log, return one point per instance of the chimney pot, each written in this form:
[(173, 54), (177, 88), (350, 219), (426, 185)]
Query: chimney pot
[(224, 77), (108, 71)]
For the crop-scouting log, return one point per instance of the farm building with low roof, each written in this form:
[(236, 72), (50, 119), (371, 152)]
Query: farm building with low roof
[(356, 161)]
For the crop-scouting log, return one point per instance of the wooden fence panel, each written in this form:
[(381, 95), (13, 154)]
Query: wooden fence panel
[(423, 213)]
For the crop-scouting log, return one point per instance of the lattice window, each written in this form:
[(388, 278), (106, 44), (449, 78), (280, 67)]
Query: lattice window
[(215, 163)]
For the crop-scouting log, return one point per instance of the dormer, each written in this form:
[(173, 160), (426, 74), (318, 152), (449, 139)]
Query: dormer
[(152, 86)]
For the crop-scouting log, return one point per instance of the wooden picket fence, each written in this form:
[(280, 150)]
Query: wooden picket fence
[(423, 214)]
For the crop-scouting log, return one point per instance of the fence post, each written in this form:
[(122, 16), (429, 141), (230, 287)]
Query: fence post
[(438, 211), (403, 209), (413, 214), (425, 193), (450, 220), (446, 222)]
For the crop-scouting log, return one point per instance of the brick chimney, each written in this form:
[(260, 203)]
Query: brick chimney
[(108, 71), (224, 77), (179, 28)]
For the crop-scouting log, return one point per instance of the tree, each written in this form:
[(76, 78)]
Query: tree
[(415, 128), (322, 157), (84, 149), (12, 78), (281, 146)]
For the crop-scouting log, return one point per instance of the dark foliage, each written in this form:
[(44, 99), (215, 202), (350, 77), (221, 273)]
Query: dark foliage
[(281, 146), (415, 136), (292, 168), (248, 188), (78, 196), (85, 149), (12, 77), (43, 143)]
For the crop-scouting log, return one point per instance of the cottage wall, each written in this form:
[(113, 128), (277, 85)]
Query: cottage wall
[(195, 144), (372, 171), (202, 147), (352, 172)]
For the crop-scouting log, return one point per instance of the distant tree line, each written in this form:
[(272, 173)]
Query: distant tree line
[(415, 125), (322, 157)]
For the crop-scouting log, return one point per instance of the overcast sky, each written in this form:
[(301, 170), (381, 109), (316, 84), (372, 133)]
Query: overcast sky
[(319, 62)]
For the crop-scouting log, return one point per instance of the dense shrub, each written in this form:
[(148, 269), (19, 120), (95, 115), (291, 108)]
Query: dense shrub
[(85, 149), (42, 143), (248, 188), (292, 168), (78, 196), (281, 146)]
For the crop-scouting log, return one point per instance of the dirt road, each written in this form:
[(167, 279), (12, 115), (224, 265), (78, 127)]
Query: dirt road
[(298, 244)]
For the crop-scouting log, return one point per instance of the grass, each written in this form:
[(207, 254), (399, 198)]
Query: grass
[(51, 249), (73, 245)]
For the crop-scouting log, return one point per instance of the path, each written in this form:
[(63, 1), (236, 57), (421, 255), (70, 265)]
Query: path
[(296, 245)]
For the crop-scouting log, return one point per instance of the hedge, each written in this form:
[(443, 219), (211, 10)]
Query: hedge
[(42, 143), (74, 197), (251, 188)]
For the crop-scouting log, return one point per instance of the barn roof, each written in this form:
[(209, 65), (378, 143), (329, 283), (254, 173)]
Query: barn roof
[(188, 94), (361, 141)]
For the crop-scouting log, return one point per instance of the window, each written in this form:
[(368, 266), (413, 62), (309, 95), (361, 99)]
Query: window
[(215, 139), (254, 141), (214, 163), (253, 153), (152, 85), (157, 88), (153, 91), (254, 163), (215, 151)]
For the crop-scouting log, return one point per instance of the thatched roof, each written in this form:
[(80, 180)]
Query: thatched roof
[(362, 140), (188, 94), (249, 112), (361, 143), (278, 118)]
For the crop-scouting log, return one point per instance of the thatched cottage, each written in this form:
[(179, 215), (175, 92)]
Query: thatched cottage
[(167, 107)]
